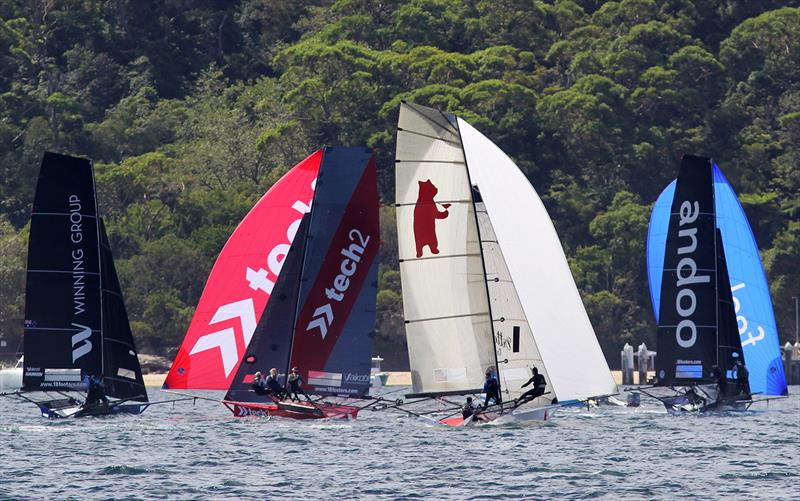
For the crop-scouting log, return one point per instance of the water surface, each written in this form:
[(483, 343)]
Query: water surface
[(201, 451)]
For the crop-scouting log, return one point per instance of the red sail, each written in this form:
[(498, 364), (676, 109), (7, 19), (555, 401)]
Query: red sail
[(333, 332), (241, 282)]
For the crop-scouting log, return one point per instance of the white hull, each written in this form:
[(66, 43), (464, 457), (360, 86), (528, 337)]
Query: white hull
[(522, 416)]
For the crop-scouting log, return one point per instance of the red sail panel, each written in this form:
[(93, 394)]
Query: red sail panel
[(241, 282), (344, 274)]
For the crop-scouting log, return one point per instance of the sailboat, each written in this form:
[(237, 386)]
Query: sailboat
[(700, 235), (748, 283), (486, 284), (76, 325), (320, 313)]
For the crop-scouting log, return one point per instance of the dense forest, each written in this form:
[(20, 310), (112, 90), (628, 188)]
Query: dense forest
[(191, 109)]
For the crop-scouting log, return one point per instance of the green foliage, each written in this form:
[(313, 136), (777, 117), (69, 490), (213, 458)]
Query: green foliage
[(192, 110)]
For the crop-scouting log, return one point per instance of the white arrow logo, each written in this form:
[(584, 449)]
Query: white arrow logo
[(225, 339), (320, 322)]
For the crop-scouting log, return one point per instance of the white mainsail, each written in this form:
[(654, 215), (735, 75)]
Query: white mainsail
[(517, 352), (444, 290), (532, 251)]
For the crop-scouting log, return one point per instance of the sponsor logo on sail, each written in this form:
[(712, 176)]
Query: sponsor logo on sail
[(77, 256), (356, 378), (685, 299), (323, 315), (243, 311), (81, 344), (741, 321)]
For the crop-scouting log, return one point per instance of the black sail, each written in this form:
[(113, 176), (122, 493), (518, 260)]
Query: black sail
[(687, 329), (62, 304), (122, 373), (271, 343), (730, 345)]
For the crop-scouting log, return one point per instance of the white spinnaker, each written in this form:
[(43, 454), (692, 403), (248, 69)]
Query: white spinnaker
[(444, 295), (536, 261), (509, 317)]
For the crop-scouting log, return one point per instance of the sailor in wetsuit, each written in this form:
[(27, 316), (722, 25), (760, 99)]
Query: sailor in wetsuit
[(722, 382), (491, 387), (273, 387), (95, 393), (295, 382), (539, 385), (469, 410), (742, 379), (258, 384)]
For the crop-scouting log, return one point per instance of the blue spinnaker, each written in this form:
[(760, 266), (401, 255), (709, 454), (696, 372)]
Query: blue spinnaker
[(756, 320)]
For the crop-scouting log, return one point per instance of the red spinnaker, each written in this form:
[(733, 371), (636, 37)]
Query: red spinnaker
[(241, 282)]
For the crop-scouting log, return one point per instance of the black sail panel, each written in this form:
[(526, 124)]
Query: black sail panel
[(122, 373), (62, 303), (730, 345), (687, 329), (271, 343)]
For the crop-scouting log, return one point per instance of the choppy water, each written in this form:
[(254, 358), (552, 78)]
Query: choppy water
[(202, 452)]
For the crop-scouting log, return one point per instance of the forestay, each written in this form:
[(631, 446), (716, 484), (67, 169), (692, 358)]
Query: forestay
[(547, 292), (445, 303)]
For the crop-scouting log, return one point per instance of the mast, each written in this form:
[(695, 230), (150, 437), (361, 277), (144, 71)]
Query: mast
[(304, 245), (483, 266), (99, 267)]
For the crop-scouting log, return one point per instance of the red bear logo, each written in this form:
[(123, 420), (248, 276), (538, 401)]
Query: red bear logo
[(425, 215)]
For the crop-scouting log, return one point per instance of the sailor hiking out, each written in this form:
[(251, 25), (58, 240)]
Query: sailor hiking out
[(537, 390), (258, 384)]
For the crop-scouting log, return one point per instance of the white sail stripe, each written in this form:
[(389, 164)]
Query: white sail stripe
[(448, 162), (440, 202), (73, 329), (110, 339), (428, 258), (435, 138), (449, 317), (62, 214), (70, 272)]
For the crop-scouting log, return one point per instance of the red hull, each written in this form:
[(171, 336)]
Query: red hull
[(321, 410)]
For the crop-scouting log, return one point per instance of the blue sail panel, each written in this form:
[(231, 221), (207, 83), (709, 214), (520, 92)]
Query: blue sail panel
[(752, 301), (751, 298), (657, 242)]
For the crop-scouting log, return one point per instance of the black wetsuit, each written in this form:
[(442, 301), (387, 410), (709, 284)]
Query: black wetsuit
[(539, 385), (492, 390), (258, 387), (722, 382), (274, 388), (742, 380), (467, 411), (96, 393), (295, 381)]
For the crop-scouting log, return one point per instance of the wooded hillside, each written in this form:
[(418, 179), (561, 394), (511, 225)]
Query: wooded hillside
[(192, 108)]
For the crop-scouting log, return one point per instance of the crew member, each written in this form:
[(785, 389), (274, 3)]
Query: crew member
[(722, 382), (95, 393), (742, 378), (491, 387), (295, 381), (468, 409), (258, 384), (537, 390), (273, 387)]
